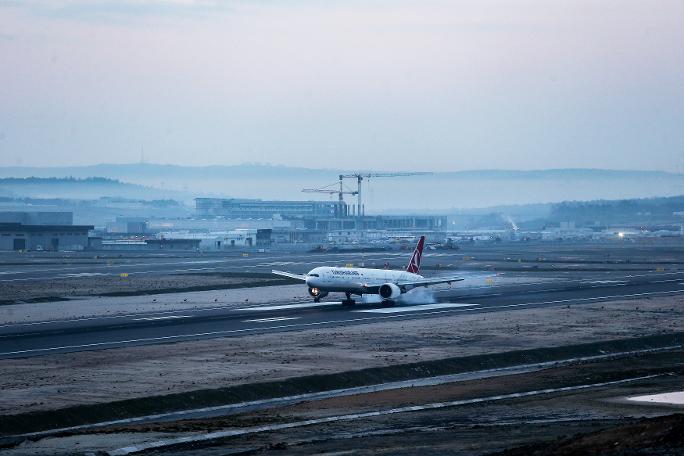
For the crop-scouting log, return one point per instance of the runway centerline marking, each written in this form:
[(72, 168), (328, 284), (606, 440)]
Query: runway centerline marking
[(166, 317), (415, 308), (292, 306), (270, 320)]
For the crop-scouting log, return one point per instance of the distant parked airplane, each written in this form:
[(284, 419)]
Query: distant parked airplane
[(388, 284)]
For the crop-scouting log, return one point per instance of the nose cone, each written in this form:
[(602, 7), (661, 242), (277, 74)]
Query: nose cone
[(313, 277)]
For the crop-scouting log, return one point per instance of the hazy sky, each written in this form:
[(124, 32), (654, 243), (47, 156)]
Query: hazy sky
[(439, 85)]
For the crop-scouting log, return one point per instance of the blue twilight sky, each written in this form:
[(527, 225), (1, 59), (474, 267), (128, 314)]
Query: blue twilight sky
[(432, 85)]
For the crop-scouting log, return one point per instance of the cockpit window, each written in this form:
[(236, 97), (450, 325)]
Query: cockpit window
[(313, 275)]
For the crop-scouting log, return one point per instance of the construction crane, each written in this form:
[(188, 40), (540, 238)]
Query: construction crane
[(361, 176), (341, 210), (330, 191)]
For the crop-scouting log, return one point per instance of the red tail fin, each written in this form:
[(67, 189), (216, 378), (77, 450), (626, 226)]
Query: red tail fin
[(414, 264)]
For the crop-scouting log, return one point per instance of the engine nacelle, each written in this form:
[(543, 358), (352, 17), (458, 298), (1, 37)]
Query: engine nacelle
[(389, 291), (317, 293)]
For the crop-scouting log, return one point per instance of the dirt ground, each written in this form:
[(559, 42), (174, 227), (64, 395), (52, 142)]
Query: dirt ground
[(544, 423), (55, 381)]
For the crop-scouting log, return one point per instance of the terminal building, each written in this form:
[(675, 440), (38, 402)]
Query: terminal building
[(226, 240), (314, 215), (264, 209), (318, 222), (379, 222)]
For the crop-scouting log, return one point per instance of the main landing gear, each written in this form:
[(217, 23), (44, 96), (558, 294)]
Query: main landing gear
[(349, 301)]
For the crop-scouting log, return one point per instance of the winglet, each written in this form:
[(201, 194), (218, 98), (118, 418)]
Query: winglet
[(414, 264)]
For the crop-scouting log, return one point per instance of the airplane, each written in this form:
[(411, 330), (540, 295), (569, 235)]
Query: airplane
[(388, 284)]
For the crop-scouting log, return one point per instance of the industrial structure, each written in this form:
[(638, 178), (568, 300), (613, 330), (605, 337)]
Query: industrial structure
[(17, 236), (128, 225)]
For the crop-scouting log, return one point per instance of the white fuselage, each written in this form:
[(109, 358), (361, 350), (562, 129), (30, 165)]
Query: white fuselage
[(354, 280)]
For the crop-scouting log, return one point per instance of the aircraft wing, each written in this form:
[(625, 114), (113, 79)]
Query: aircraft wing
[(375, 287), (290, 275), (429, 281)]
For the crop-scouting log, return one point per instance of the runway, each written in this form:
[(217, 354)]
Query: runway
[(15, 268), (540, 257), (96, 333)]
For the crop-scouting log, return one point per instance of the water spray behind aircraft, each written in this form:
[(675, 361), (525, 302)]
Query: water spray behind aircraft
[(420, 295), (514, 227)]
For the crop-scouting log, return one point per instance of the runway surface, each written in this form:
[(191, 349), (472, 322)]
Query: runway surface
[(15, 268), (41, 338)]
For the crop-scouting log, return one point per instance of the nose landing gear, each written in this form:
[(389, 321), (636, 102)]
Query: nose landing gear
[(317, 294)]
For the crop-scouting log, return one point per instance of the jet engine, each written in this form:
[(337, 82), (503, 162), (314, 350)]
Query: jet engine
[(316, 293), (389, 291)]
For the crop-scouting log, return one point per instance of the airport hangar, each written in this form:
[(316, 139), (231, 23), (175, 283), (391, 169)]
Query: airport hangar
[(17, 236)]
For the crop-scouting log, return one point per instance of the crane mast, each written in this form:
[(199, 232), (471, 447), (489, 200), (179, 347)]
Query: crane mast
[(361, 176), (340, 190), (341, 207)]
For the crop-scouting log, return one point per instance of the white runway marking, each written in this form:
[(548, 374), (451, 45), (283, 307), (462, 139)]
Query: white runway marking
[(676, 398), (415, 308), (84, 274), (293, 306), (167, 317), (71, 275), (278, 263), (270, 320), (607, 282), (71, 320)]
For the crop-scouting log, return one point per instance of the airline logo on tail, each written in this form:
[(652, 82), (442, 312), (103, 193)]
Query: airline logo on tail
[(414, 264)]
